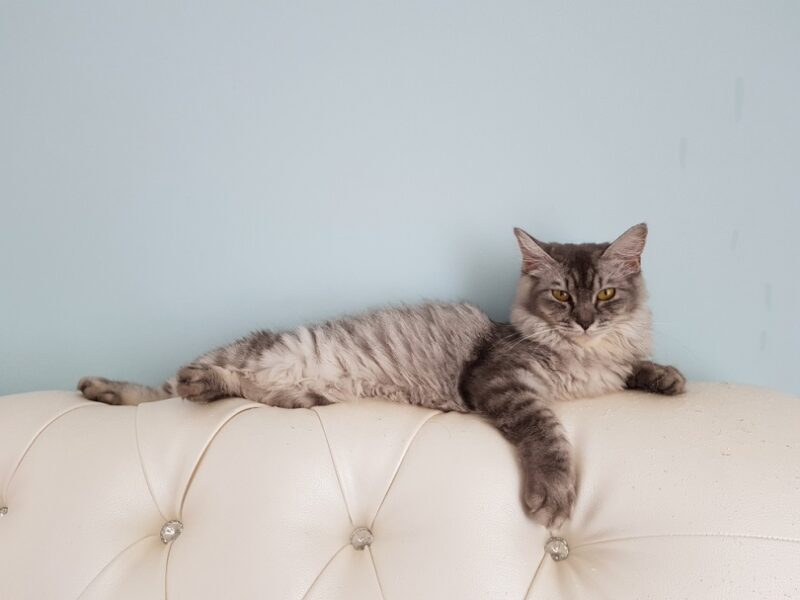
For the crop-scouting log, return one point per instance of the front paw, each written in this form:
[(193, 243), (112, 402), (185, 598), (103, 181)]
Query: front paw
[(549, 495), (658, 379), (201, 383)]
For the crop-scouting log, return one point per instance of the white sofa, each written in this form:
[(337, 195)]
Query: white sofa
[(696, 496)]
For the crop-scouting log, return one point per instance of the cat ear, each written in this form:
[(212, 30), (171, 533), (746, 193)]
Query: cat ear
[(534, 258), (625, 253)]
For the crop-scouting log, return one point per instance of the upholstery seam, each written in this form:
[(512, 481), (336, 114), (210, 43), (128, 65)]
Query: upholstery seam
[(335, 468), (375, 570), (322, 570), (166, 569), (533, 579), (400, 463), (112, 561), (35, 437), (669, 535), (204, 451), (141, 464)]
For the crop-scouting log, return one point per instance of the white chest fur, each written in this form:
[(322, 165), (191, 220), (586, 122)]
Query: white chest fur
[(599, 366)]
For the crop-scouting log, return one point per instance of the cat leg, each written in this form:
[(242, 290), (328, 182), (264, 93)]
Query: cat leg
[(545, 454), (242, 352), (507, 396), (237, 354), (125, 393), (200, 382), (655, 378)]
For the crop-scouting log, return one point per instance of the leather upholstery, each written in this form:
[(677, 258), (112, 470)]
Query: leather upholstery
[(690, 497)]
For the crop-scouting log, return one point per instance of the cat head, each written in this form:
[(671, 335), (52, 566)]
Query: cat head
[(582, 293)]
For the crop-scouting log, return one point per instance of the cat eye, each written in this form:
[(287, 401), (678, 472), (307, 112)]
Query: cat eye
[(560, 295), (606, 294)]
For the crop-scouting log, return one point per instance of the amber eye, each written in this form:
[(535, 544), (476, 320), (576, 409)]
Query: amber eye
[(560, 295), (606, 294)]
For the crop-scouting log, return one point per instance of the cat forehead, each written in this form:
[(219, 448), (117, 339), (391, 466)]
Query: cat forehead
[(581, 265), (576, 257)]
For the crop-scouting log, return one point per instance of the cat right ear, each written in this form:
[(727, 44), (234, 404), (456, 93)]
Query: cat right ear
[(535, 260)]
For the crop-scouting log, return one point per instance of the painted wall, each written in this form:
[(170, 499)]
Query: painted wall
[(173, 174)]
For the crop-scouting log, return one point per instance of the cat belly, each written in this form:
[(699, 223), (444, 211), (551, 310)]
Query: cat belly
[(342, 376)]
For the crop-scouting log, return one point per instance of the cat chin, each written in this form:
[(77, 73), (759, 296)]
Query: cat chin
[(586, 340)]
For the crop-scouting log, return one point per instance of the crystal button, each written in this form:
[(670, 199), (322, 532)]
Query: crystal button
[(3, 511), (361, 538), (557, 548), (170, 531)]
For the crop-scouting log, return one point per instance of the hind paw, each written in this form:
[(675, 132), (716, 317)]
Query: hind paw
[(202, 383), (101, 389)]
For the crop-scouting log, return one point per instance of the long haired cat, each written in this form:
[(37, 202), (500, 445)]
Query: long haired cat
[(579, 327)]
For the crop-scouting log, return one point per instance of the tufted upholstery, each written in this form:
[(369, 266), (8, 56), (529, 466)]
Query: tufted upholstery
[(690, 497)]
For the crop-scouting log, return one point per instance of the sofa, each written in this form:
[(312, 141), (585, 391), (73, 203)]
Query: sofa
[(695, 496)]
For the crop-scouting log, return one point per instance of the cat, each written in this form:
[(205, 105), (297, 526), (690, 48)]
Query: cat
[(579, 327)]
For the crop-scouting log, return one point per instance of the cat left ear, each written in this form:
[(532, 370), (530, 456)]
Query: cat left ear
[(535, 260), (626, 251)]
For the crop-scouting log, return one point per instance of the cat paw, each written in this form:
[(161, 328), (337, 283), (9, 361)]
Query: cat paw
[(201, 383), (101, 389), (658, 379), (549, 496)]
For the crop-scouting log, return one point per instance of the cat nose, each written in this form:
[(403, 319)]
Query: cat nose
[(584, 321)]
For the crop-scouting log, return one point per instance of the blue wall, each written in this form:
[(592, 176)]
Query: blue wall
[(173, 174)]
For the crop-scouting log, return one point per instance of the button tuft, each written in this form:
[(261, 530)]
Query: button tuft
[(557, 548), (3, 511), (361, 538), (170, 531)]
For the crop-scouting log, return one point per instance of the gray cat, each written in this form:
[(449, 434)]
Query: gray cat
[(579, 328)]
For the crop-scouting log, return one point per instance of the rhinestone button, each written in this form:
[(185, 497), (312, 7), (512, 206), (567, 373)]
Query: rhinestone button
[(3, 511), (557, 548), (361, 538), (170, 531)]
